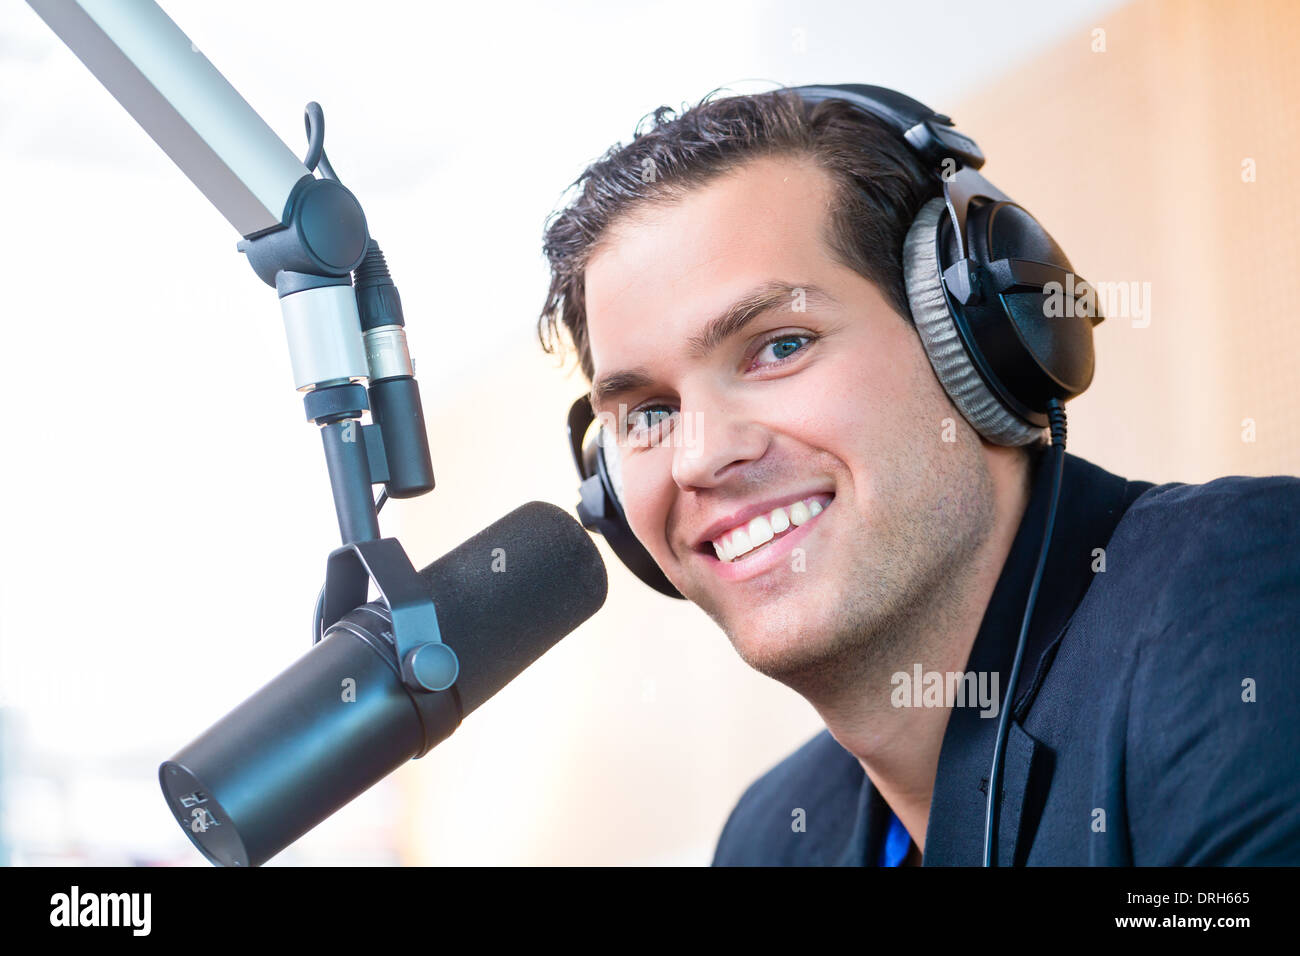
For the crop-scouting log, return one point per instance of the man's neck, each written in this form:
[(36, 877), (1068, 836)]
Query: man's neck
[(899, 747)]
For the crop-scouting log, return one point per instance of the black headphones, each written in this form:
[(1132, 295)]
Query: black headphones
[(976, 267)]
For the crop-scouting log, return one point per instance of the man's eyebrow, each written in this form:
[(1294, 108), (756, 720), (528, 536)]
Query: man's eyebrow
[(766, 298), (617, 383), (761, 300)]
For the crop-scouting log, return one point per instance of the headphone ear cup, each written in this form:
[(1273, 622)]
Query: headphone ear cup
[(601, 510), (943, 344)]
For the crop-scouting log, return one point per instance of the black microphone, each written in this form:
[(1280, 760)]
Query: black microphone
[(340, 719)]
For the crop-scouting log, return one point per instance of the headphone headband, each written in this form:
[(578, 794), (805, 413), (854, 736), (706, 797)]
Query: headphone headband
[(931, 135)]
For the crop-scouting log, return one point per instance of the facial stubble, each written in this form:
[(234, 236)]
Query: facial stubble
[(896, 589)]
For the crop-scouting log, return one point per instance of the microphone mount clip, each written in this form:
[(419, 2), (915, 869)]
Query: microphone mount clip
[(427, 664)]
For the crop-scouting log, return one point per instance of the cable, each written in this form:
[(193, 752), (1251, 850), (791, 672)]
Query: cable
[(317, 618), (326, 169), (314, 119), (1056, 419)]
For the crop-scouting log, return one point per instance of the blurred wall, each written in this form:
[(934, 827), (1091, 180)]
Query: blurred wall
[(1165, 161), (631, 741)]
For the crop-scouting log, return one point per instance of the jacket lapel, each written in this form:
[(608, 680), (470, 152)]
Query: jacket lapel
[(1091, 504), (1017, 767)]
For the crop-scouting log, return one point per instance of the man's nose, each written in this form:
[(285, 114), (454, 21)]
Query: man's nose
[(713, 446)]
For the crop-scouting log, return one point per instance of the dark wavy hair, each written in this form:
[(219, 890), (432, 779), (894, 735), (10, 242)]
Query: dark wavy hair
[(880, 184)]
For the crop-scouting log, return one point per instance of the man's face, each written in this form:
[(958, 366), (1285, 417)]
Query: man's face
[(824, 396)]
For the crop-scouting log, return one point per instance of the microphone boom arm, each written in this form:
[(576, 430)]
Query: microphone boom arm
[(187, 107), (305, 237)]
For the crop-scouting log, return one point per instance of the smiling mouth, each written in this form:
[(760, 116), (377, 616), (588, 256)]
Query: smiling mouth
[(756, 534)]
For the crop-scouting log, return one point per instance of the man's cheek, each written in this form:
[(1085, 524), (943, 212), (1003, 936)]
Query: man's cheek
[(646, 514), (856, 420), (839, 399)]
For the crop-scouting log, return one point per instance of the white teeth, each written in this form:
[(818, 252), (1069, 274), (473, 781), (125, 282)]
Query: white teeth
[(764, 528), (780, 520)]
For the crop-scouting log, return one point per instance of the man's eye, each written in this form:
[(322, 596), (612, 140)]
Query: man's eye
[(646, 418), (781, 348)]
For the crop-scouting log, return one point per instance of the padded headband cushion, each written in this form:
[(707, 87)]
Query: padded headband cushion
[(613, 463), (938, 332)]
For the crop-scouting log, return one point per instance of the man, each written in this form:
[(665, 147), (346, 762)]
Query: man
[(859, 541)]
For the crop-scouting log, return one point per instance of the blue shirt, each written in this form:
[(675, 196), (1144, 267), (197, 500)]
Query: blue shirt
[(897, 842)]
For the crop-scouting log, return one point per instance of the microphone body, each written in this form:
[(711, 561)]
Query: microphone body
[(339, 719)]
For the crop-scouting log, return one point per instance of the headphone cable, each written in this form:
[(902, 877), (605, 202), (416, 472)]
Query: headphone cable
[(1056, 419)]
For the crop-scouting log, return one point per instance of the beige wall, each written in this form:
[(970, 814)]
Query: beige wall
[(632, 739), (1132, 159)]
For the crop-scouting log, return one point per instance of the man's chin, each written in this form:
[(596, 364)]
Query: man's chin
[(781, 642)]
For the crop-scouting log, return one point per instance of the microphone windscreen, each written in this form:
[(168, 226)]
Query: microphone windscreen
[(507, 595)]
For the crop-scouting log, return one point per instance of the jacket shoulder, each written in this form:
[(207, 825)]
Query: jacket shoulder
[(1192, 569), (766, 827), (1209, 587), (1188, 541), (1223, 505)]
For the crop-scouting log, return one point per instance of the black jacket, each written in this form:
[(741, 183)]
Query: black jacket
[(1157, 713)]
